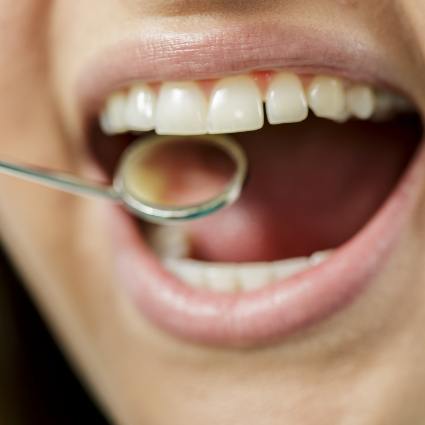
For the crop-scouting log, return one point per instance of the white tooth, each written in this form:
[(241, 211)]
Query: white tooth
[(344, 116), (140, 109), (221, 278), (361, 101), (326, 97), (254, 276), (227, 277), (182, 109), (104, 122), (319, 257), (286, 101), (287, 268), (190, 272), (235, 105), (169, 241), (112, 119)]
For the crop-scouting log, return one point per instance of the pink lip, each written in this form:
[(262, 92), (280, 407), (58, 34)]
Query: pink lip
[(269, 314)]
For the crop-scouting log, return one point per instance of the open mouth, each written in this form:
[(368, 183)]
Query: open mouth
[(330, 162)]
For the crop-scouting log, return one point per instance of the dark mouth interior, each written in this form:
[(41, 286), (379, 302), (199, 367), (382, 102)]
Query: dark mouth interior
[(312, 186)]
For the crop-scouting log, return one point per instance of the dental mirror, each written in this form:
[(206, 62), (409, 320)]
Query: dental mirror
[(162, 179)]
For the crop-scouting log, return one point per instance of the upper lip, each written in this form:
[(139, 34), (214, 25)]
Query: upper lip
[(224, 50)]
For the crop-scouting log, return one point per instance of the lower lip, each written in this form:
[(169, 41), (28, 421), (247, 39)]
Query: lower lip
[(269, 314)]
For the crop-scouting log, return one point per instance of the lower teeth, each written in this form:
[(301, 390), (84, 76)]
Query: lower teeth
[(233, 277), (172, 245)]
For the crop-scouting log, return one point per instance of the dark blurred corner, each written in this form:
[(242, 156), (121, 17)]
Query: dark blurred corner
[(36, 385)]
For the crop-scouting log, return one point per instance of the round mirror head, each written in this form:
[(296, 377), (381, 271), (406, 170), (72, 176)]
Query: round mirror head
[(176, 178)]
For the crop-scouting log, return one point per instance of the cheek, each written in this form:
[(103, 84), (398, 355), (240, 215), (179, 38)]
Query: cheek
[(412, 27), (413, 11), (30, 131), (412, 19), (22, 63)]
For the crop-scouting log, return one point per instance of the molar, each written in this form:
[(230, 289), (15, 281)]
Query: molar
[(389, 104)]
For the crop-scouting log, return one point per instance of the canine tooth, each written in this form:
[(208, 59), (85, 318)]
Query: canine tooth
[(361, 101), (140, 109), (235, 105), (254, 276), (190, 272), (221, 278), (286, 101), (181, 109), (112, 119), (326, 97)]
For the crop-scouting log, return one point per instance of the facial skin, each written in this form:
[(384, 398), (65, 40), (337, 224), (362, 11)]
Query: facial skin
[(364, 366)]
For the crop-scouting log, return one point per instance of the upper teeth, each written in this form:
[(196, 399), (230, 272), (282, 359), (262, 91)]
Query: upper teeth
[(236, 104), (286, 101)]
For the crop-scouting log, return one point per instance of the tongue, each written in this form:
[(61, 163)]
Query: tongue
[(312, 186)]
